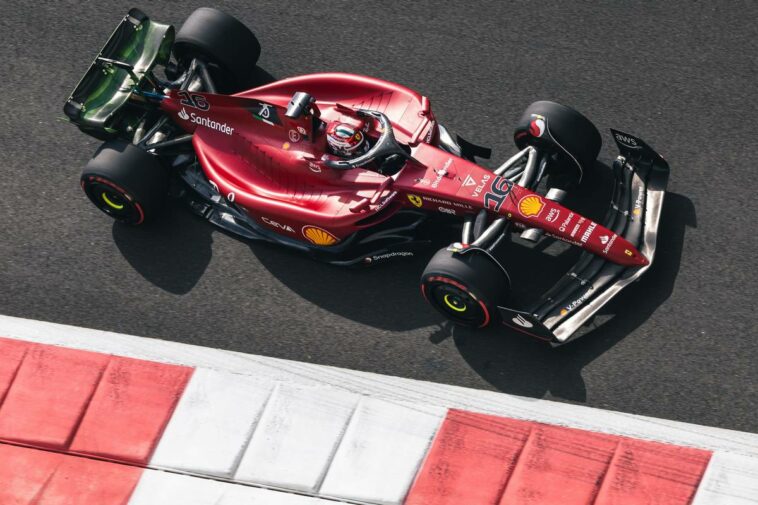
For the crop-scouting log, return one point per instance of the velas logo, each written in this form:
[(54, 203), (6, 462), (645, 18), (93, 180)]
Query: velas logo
[(208, 123), (183, 114), (531, 206), (469, 181)]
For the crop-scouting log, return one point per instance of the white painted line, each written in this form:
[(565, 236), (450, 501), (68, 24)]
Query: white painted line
[(165, 488), (381, 452), (212, 423), (395, 389), (296, 437), (729, 480)]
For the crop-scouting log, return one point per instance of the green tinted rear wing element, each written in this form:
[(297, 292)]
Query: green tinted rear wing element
[(97, 103)]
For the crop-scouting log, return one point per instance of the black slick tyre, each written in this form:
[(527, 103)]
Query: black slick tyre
[(221, 41), (465, 288), (125, 182)]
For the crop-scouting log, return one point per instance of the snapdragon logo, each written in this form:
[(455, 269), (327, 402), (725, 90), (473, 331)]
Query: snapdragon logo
[(207, 122)]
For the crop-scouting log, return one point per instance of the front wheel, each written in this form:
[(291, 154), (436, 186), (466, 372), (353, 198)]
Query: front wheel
[(125, 182), (560, 130), (466, 288)]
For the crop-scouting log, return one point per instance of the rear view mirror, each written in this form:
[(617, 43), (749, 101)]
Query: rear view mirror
[(299, 105)]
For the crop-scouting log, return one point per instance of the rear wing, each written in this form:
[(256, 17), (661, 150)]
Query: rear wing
[(641, 176), (135, 47)]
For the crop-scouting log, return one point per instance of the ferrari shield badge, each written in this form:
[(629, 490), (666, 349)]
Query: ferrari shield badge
[(415, 200)]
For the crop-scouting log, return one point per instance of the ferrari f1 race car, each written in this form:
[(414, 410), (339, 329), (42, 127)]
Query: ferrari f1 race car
[(345, 168)]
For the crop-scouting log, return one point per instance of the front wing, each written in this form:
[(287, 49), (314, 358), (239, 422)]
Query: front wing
[(641, 176)]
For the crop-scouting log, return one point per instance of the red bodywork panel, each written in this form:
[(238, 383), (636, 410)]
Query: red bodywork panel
[(271, 165)]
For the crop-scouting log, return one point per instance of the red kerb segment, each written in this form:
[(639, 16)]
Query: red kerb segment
[(560, 465), (11, 354), (479, 459), (130, 409), (49, 394), (643, 470), (471, 460), (86, 402), (36, 477)]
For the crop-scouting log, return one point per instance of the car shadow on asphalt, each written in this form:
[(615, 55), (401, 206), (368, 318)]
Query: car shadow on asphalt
[(385, 295), (171, 252), (516, 364)]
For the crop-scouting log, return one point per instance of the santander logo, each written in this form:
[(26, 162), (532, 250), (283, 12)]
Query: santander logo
[(204, 121)]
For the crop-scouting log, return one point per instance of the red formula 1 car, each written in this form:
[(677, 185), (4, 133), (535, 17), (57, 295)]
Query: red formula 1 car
[(346, 168)]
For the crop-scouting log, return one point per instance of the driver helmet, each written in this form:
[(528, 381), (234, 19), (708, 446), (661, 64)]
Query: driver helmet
[(345, 139)]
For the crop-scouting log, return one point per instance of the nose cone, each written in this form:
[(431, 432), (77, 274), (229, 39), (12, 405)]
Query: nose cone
[(624, 253), (640, 260), (632, 258)]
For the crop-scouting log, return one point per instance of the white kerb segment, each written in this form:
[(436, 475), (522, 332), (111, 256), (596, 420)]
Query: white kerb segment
[(164, 488), (173, 489), (383, 448), (212, 423), (242, 495), (730, 479), (296, 437)]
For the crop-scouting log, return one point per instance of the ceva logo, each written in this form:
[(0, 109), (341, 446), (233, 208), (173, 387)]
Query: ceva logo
[(183, 114)]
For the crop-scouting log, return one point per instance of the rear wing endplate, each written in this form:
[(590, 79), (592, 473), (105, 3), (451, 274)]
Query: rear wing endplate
[(132, 50)]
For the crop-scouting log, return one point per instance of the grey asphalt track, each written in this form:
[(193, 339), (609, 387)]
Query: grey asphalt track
[(682, 75)]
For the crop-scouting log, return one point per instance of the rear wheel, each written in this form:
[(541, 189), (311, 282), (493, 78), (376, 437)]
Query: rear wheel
[(125, 182), (465, 288), (221, 41)]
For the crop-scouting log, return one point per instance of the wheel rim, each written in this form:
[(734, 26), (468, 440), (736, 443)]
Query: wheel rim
[(113, 200), (457, 303)]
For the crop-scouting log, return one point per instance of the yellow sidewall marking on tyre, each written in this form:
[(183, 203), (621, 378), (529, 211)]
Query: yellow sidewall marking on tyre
[(111, 204), (450, 304)]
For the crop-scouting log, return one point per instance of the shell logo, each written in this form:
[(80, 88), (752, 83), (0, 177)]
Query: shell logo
[(319, 236), (531, 206)]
